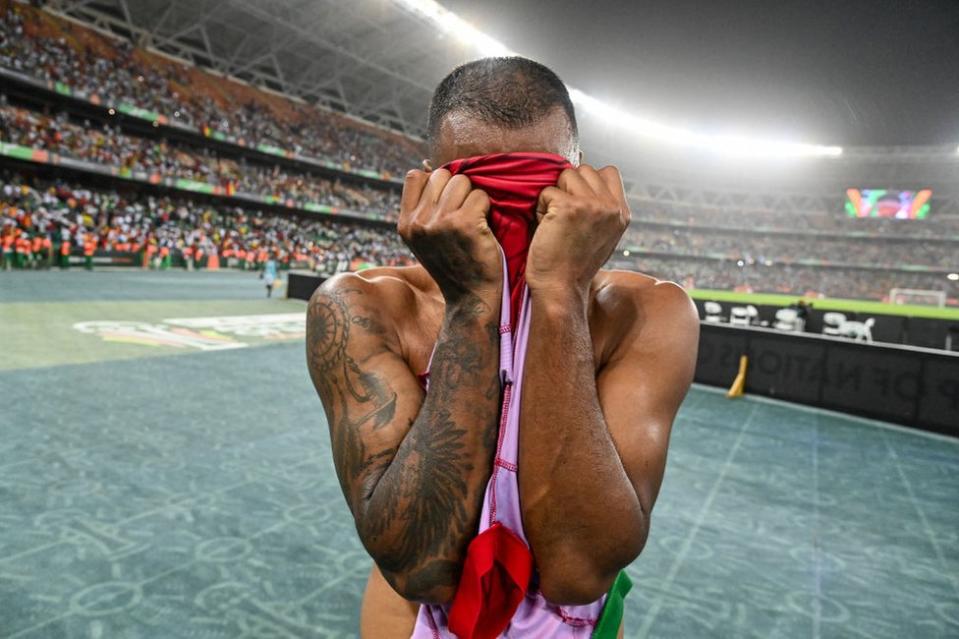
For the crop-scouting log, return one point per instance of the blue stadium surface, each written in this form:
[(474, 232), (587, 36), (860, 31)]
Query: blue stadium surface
[(168, 489)]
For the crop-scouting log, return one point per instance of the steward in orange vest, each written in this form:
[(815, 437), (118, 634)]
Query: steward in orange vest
[(65, 252), (47, 249), (89, 248)]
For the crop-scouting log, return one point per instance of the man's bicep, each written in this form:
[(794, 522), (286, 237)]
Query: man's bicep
[(642, 387), (368, 392)]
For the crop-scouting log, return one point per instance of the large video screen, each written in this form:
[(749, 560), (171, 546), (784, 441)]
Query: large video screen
[(901, 205)]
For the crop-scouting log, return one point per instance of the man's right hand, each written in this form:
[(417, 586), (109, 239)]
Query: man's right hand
[(443, 221)]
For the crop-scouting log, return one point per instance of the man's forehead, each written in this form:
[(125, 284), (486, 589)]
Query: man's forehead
[(462, 135)]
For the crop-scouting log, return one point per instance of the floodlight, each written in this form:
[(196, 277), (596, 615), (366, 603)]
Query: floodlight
[(725, 145)]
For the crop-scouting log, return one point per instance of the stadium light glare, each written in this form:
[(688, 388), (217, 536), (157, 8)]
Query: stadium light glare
[(726, 145), (953, 277)]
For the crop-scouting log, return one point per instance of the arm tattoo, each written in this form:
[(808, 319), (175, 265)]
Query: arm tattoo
[(342, 383), (422, 499)]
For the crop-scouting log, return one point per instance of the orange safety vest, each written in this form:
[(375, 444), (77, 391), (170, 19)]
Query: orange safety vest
[(89, 247), (47, 243), (151, 249), (37, 244), (65, 247), (187, 251), (7, 242), (164, 251)]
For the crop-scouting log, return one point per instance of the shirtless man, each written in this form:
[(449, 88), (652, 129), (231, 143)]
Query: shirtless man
[(614, 355)]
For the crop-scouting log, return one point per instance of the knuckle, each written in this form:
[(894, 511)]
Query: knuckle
[(457, 179), (481, 198), (594, 208), (416, 229)]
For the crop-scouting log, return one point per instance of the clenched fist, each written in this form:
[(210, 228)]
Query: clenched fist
[(443, 221), (581, 220)]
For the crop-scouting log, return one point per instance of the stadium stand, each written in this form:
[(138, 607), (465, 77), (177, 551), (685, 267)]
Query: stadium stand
[(38, 44), (109, 146), (157, 227), (782, 247), (814, 253), (820, 223), (792, 279)]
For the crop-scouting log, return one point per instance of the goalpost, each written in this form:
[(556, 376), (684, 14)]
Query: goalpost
[(924, 297)]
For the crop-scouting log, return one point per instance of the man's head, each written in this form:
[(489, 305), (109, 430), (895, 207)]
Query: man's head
[(501, 105)]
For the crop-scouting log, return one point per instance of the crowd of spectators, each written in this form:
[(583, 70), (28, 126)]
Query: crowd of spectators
[(39, 44), (822, 222), (56, 211), (784, 278), (132, 221), (103, 144), (694, 240), (756, 254)]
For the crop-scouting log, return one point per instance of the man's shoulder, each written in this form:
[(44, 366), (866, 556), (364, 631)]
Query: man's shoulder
[(645, 312), (653, 296), (388, 290), (376, 279)]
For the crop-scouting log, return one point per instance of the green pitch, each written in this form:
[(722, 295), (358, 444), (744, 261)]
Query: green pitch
[(855, 306), (165, 473)]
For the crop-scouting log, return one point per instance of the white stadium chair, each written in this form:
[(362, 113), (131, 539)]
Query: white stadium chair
[(739, 316), (787, 319), (859, 331), (714, 312), (831, 323)]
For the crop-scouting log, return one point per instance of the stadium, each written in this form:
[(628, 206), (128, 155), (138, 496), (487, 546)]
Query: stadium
[(180, 178)]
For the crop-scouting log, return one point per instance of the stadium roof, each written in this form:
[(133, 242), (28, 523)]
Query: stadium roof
[(379, 60), (344, 55)]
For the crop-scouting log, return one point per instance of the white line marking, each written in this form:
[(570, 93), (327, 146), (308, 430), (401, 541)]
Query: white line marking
[(922, 517), (701, 517)]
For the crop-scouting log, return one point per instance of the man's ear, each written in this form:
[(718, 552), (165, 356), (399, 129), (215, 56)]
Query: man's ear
[(427, 166)]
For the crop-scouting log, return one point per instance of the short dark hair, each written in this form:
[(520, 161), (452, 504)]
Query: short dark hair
[(511, 92)]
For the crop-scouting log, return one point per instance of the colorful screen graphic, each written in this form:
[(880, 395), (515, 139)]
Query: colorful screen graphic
[(901, 205)]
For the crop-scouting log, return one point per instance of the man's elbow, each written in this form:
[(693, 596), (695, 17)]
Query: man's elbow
[(569, 590), (432, 584), (426, 580), (580, 578)]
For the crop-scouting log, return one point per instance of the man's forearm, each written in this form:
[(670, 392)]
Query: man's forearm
[(580, 510), (422, 513)]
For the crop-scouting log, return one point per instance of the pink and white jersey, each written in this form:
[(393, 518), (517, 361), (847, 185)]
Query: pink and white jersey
[(535, 617)]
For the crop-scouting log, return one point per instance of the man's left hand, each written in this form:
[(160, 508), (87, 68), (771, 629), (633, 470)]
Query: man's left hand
[(581, 220)]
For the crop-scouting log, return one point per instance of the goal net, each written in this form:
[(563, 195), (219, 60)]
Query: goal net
[(919, 296)]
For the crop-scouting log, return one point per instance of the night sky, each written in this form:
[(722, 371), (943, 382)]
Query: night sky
[(850, 72)]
